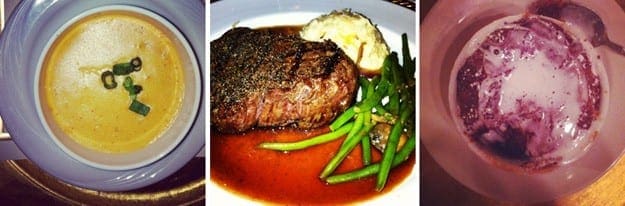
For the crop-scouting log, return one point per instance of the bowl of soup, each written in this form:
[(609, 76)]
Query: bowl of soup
[(117, 87)]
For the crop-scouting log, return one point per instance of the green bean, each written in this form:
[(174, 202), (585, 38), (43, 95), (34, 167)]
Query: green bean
[(360, 120), (390, 73), (343, 118), (372, 100), (395, 82), (396, 69), (287, 146), (400, 157), (409, 71), (365, 143), (405, 51), (389, 151), (409, 64), (346, 148), (393, 104), (364, 85), (371, 89), (379, 110), (407, 94), (386, 73), (375, 81)]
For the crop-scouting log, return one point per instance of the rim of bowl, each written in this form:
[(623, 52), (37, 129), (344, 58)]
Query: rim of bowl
[(187, 123)]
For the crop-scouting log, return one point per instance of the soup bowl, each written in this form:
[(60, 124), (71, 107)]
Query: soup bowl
[(165, 128)]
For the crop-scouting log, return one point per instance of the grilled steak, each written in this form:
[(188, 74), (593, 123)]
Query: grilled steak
[(264, 78)]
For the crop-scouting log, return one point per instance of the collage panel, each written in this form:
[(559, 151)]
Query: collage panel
[(102, 102), (520, 102), (226, 102), (312, 102)]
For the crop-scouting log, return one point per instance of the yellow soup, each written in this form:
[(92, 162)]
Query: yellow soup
[(76, 103)]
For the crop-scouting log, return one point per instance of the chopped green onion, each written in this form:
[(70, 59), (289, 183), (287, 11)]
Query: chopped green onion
[(108, 79), (133, 90), (139, 108), (130, 88), (128, 84), (137, 88), (122, 69), (136, 64), (127, 67)]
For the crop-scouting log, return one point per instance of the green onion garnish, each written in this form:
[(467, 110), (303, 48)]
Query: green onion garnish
[(133, 90), (122, 69), (139, 108), (136, 64), (128, 85), (127, 67), (137, 89), (108, 79)]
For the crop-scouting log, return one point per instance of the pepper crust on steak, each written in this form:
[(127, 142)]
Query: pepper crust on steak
[(264, 78)]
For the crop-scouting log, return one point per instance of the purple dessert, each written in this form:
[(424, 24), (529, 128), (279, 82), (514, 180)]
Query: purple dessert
[(528, 93)]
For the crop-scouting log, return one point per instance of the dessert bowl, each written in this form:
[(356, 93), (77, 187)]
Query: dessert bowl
[(444, 32), (529, 93)]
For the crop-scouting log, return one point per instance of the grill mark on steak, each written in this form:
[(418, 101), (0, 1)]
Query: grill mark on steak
[(264, 78)]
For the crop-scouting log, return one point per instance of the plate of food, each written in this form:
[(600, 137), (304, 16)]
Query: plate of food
[(110, 96), (523, 95), (287, 88)]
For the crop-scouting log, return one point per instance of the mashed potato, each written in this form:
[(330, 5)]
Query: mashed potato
[(354, 34)]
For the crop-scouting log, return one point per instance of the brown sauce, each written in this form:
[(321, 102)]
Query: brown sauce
[(239, 166), (291, 178)]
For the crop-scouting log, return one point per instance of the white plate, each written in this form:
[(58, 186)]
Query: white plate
[(444, 32), (30, 27), (392, 20)]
